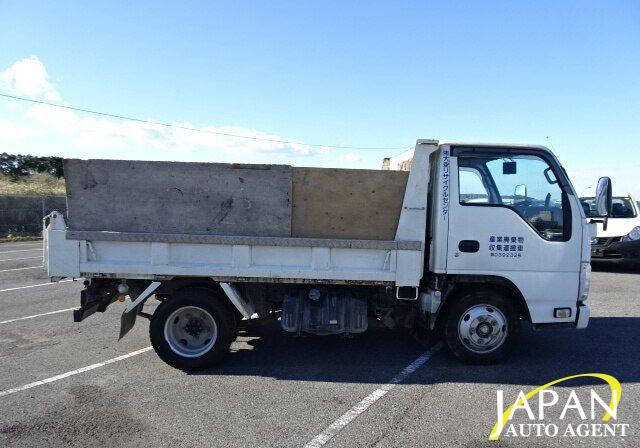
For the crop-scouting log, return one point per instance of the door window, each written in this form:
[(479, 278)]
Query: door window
[(523, 183), (472, 190)]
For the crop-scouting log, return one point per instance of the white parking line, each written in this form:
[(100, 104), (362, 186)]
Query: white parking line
[(367, 401), (35, 315), (73, 372), (24, 258), (21, 269), (35, 286), (20, 250)]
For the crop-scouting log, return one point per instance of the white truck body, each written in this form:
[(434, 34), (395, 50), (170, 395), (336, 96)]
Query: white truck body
[(446, 238)]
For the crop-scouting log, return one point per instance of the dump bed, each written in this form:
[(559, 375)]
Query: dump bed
[(132, 219), (233, 199)]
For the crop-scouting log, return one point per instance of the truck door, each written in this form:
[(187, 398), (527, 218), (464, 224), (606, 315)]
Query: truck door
[(511, 216)]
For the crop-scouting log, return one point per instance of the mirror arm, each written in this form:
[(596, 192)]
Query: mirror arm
[(602, 220)]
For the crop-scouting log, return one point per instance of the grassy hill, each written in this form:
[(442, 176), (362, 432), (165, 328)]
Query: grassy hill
[(35, 184)]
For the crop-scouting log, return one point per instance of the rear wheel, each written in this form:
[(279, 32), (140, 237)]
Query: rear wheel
[(192, 329), (480, 326)]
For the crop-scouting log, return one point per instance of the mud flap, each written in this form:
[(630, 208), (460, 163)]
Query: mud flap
[(128, 318)]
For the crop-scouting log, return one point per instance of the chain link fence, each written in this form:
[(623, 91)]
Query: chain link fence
[(22, 215)]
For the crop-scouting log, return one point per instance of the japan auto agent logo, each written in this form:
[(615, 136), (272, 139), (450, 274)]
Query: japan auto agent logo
[(593, 415)]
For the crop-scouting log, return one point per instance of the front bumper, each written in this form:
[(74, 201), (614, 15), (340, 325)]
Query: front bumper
[(614, 249)]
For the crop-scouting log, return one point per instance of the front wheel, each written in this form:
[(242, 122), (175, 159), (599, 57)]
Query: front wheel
[(480, 326), (192, 329)]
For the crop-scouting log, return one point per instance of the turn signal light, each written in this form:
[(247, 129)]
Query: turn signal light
[(561, 313)]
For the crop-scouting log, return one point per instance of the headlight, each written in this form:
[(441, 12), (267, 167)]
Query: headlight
[(634, 235)]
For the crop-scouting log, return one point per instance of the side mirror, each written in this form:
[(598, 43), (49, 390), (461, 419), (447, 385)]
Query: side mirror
[(603, 196), (520, 192), (603, 199)]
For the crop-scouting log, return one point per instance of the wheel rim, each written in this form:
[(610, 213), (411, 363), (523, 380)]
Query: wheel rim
[(482, 328), (190, 331)]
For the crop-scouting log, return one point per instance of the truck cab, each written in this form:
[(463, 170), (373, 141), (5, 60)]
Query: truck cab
[(505, 219), (508, 211)]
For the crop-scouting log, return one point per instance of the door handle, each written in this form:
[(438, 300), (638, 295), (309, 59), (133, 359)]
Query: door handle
[(468, 246)]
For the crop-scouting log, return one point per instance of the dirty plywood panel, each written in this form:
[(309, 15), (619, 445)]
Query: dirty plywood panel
[(346, 203), (177, 197)]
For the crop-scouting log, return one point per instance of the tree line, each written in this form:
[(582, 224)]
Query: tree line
[(17, 165)]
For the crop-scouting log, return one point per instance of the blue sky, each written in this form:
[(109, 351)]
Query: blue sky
[(374, 74)]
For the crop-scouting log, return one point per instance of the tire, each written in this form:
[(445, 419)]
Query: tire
[(480, 326), (192, 329)]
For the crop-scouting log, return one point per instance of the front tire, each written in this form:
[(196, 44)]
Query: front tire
[(480, 326), (192, 329)]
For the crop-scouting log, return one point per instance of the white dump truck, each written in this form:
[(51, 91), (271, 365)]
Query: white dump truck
[(457, 240)]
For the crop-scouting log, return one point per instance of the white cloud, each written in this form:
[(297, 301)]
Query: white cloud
[(89, 134), (11, 131), (349, 157), (92, 132), (53, 118), (28, 77)]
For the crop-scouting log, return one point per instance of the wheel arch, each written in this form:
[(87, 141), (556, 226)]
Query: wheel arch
[(180, 284), (459, 284)]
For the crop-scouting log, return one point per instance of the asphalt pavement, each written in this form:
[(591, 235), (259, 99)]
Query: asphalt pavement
[(73, 384)]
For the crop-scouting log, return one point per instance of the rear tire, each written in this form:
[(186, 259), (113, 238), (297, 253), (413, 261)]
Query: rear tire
[(480, 326), (192, 329)]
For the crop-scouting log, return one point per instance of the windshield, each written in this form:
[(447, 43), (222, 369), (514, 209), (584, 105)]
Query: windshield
[(621, 208)]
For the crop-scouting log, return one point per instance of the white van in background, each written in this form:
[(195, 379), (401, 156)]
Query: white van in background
[(621, 241)]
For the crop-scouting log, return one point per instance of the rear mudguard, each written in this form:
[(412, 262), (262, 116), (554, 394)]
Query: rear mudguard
[(128, 318)]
